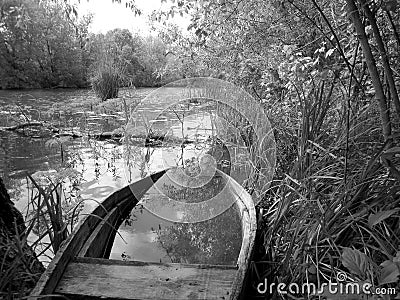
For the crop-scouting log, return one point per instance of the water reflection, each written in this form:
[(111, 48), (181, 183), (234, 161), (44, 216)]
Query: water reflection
[(151, 238)]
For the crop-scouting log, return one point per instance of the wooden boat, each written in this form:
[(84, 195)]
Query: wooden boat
[(81, 268)]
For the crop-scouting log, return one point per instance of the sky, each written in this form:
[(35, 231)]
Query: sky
[(108, 15)]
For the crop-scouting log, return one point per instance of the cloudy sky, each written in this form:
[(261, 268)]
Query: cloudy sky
[(109, 15)]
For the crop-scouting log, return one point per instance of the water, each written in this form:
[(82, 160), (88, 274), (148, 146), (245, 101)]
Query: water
[(154, 239), (100, 168), (212, 241)]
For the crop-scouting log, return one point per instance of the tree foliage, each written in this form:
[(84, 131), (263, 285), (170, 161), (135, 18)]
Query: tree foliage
[(42, 45), (47, 44)]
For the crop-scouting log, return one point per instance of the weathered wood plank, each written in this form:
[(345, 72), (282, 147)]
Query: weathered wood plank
[(91, 260), (146, 281)]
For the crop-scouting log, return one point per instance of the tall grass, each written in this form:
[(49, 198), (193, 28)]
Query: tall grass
[(108, 76), (47, 204), (105, 82), (332, 192)]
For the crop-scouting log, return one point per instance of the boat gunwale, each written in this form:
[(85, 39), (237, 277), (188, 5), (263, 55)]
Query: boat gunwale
[(247, 210)]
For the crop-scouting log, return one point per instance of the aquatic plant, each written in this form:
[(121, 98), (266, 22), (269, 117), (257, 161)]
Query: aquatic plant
[(334, 190), (105, 82)]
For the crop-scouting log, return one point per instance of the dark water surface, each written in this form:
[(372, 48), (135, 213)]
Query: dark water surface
[(93, 169)]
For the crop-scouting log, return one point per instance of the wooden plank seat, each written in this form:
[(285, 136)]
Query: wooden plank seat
[(86, 278)]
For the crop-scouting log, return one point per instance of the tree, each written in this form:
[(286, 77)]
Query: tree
[(151, 53), (42, 45)]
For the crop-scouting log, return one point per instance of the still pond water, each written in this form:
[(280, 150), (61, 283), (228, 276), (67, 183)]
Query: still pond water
[(93, 169)]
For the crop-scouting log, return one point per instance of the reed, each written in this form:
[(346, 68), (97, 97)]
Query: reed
[(332, 192), (110, 74), (105, 82)]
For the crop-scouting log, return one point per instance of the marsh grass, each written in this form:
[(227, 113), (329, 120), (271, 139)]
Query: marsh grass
[(108, 77), (333, 198), (105, 83), (47, 204)]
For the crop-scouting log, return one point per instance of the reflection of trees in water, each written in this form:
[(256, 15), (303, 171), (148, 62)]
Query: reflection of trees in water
[(133, 215), (216, 241), (195, 194)]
